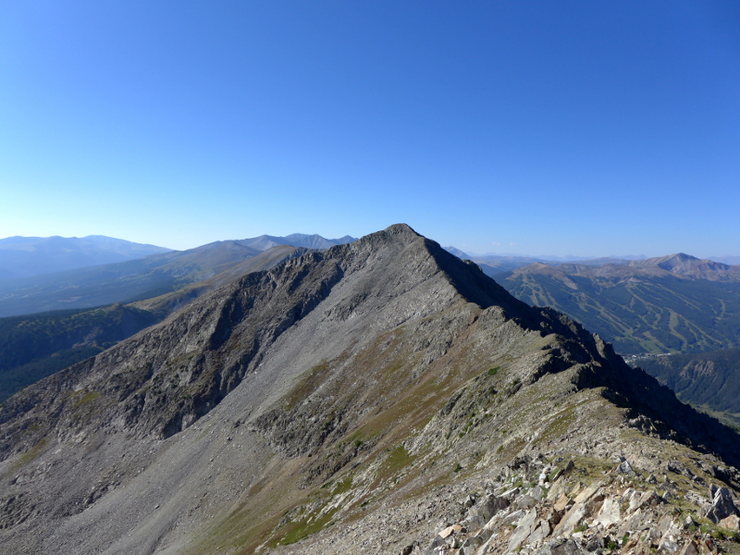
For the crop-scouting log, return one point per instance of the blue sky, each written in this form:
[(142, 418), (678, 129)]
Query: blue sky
[(585, 128)]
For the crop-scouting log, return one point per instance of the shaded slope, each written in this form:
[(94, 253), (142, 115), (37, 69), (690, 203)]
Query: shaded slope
[(334, 387), (709, 380), (33, 347)]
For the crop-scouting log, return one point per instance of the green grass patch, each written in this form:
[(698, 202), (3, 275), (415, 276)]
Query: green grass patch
[(303, 528), (398, 459), (558, 426), (706, 526), (389, 371), (306, 384), (591, 468), (85, 399), (341, 487), (29, 456)]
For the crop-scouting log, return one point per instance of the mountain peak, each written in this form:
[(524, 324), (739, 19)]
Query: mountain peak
[(679, 257), (401, 229), (396, 234), (682, 264), (408, 253)]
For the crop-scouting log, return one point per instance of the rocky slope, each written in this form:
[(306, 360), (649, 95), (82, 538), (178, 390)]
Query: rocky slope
[(378, 397), (37, 345)]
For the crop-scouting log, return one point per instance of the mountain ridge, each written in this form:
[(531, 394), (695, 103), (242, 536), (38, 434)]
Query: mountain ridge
[(310, 241), (370, 367), (134, 280)]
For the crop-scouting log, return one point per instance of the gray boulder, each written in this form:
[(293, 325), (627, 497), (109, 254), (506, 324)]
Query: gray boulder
[(489, 506), (722, 505), (561, 547)]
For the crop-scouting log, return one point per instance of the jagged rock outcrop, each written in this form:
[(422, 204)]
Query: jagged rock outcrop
[(722, 505), (343, 402)]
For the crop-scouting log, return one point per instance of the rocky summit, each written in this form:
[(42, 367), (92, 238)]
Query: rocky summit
[(377, 397)]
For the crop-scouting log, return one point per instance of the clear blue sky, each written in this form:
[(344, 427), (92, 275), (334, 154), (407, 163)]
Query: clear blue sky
[(589, 127)]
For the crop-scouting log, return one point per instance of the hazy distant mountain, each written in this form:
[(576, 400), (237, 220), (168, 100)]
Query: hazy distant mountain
[(675, 265), (139, 279), (356, 400), (670, 303), (595, 261), (122, 282), (264, 242), (731, 260), (494, 265), (689, 266), (457, 252), (30, 256)]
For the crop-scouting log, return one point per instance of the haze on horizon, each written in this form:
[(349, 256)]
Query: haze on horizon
[(586, 129)]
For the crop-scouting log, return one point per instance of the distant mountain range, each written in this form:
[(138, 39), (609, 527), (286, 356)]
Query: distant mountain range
[(732, 260), (29, 256), (264, 242), (679, 265), (496, 264), (657, 305), (141, 278)]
